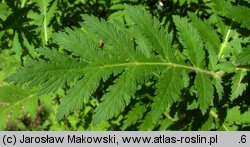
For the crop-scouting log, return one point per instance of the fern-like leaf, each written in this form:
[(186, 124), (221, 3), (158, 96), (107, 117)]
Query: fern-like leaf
[(75, 42), (206, 31), (132, 59), (236, 13), (52, 74), (234, 115), (191, 41), (168, 91), (81, 90), (205, 91), (237, 86), (142, 44), (135, 114), (16, 45), (120, 43), (239, 14), (244, 57), (120, 94), (153, 32), (219, 88)]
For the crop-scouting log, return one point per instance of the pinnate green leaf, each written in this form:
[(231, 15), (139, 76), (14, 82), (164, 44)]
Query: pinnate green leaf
[(205, 91)]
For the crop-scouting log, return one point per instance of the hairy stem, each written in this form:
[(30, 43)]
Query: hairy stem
[(168, 64)]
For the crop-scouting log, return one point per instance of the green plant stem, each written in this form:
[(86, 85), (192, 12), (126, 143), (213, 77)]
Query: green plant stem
[(215, 116), (169, 117), (23, 3), (45, 35), (225, 41), (215, 75), (168, 64), (243, 68)]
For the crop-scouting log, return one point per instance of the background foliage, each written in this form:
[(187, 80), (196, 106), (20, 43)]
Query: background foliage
[(26, 25)]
